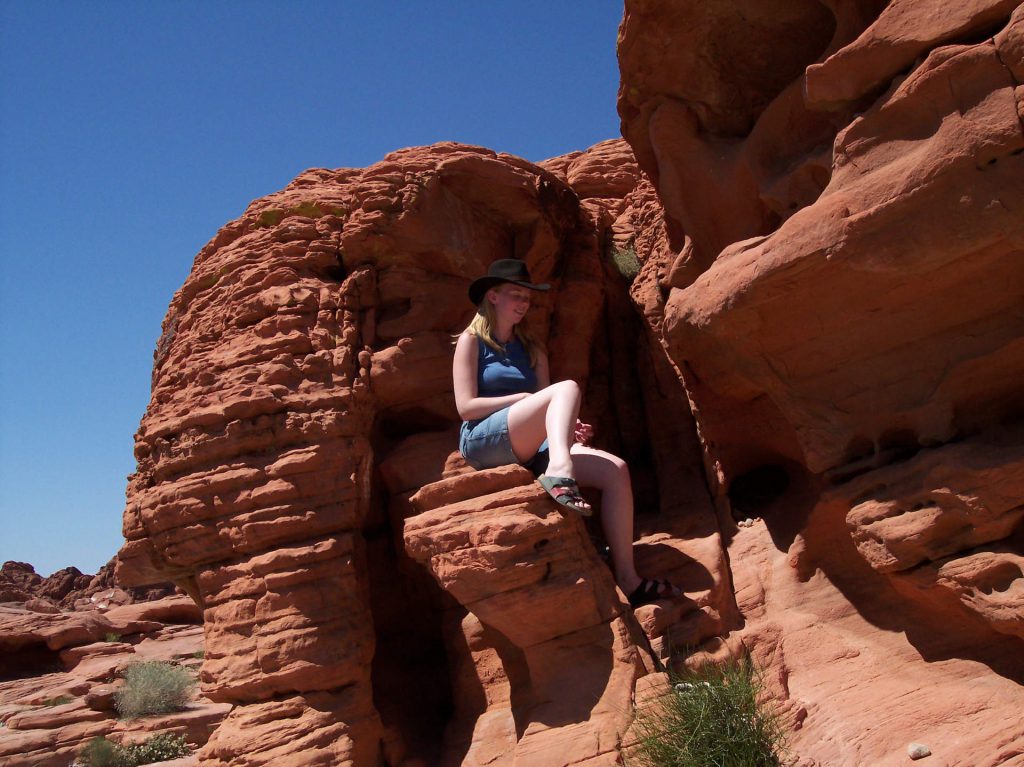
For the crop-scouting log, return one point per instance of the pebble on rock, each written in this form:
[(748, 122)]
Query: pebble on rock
[(918, 751)]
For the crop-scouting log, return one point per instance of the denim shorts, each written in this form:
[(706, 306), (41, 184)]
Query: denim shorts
[(486, 444)]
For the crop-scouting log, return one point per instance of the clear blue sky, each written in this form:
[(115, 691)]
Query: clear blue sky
[(130, 132)]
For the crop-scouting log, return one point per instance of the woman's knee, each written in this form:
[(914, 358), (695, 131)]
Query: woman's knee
[(603, 469), (618, 466), (567, 388)]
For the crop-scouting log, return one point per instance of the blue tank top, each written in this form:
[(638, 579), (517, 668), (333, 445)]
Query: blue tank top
[(499, 374)]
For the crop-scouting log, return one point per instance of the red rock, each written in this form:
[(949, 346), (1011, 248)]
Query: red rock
[(70, 589), (988, 583), (902, 32), (801, 305), (37, 605), (811, 614), (943, 501), (833, 281), (320, 319), (851, 232), (71, 656), (175, 609), (61, 583), (525, 570), (318, 728), (730, 146), (18, 580), (181, 644), (43, 690), (49, 718), (21, 628), (101, 697), (196, 723)]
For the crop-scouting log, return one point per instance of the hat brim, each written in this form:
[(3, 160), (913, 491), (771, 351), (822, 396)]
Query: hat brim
[(478, 289)]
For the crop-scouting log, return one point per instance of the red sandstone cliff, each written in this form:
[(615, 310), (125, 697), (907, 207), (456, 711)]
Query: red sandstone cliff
[(841, 291), (302, 394), (824, 336)]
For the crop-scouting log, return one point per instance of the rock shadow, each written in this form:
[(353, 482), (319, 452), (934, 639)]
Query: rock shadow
[(937, 626), (560, 682)]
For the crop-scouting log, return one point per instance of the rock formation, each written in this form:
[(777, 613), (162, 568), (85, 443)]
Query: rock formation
[(803, 305), (842, 297), (69, 588), (302, 394), (538, 601), (59, 672)]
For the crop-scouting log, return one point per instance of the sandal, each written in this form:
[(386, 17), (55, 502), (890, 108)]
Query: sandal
[(652, 591), (565, 491)]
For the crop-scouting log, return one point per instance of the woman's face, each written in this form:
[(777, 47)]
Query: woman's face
[(511, 302)]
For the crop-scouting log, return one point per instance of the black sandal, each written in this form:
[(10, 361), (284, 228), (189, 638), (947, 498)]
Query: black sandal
[(652, 591)]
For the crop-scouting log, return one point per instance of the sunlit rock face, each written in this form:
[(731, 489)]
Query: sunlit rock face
[(302, 395), (798, 313), (549, 655), (839, 285)]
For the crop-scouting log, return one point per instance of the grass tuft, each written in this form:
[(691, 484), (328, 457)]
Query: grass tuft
[(711, 717), (153, 687)]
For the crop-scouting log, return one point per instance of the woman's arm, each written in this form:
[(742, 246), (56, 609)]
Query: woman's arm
[(542, 371), (464, 370)]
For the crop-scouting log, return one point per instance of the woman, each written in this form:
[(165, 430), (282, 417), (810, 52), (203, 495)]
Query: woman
[(512, 413)]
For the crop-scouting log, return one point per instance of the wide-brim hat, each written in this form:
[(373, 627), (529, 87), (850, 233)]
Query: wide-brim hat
[(503, 270)]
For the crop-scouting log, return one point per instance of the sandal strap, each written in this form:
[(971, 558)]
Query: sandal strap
[(650, 591), (564, 491)]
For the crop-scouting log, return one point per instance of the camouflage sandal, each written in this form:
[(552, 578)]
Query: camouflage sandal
[(566, 492)]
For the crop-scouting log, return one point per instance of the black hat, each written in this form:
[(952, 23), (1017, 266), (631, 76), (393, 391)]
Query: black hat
[(503, 270)]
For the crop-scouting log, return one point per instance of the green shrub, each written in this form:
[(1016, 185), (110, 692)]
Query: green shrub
[(111, 637), (153, 687), (159, 748), (101, 752), (626, 262), (710, 718)]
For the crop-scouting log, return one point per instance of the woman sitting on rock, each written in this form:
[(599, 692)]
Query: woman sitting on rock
[(514, 414)]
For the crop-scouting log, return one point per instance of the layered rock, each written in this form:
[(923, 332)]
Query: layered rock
[(539, 602), (838, 288), (804, 296), (60, 671), (302, 395)]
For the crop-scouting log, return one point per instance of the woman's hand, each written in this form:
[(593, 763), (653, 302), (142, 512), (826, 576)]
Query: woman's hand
[(584, 432)]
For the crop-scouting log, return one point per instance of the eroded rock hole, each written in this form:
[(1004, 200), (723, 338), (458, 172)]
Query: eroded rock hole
[(752, 492), (410, 675), (34, 660), (410, 670), (999, 578)]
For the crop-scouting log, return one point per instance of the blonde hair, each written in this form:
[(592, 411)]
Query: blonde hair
[(482, 326)]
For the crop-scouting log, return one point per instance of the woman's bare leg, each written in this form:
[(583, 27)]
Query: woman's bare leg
[(610, 474), (550, 413)]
